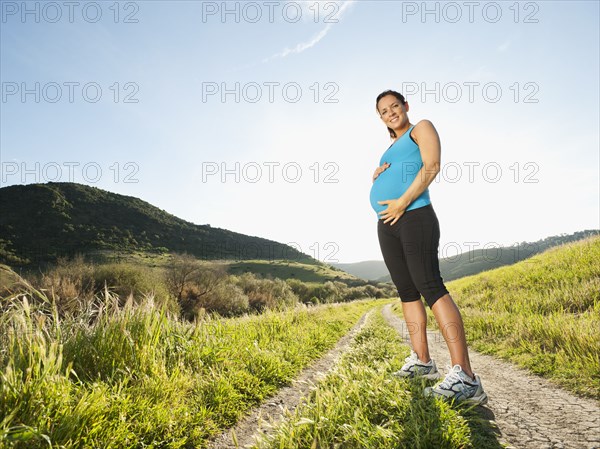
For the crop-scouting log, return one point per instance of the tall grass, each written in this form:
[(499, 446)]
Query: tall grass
[(542, 313), (361, 405), (135, 376), (186, 285)]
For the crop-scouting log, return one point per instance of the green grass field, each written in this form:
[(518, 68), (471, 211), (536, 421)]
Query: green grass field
[(361, 405), (542, 314), (139, 377)]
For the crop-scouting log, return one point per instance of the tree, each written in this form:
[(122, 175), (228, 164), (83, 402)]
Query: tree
[(180, 273), (195, 283), (186, 271)]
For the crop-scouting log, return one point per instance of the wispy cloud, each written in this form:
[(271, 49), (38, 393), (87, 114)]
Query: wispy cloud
[(480, 74), (302, 46), (504, 46)]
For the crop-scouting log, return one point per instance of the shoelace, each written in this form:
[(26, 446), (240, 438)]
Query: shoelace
[(411, 358), (451, 378)]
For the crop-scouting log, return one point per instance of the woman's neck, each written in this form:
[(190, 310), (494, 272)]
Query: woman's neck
[(404, 129)]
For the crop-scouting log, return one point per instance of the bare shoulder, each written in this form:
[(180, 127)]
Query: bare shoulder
[(424, 125), (424, 128)]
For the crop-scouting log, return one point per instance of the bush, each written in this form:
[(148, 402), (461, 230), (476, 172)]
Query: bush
[(198, 285), (75, 284), (300, 289), (226, 299), (126, 280), (70, 282), (266, 293)]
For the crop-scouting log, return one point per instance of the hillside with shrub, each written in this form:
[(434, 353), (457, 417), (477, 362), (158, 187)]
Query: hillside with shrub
[(186, 286), (42, 222)]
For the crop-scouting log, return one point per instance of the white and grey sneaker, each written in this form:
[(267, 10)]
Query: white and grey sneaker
[(460, 387), (414, 367)]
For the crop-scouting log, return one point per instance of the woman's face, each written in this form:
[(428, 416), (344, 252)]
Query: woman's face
[(393, 112)]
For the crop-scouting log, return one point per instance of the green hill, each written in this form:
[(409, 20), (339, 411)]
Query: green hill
[(542, 313), (367, 269), (41, 222), (478, 260), (295, 270)]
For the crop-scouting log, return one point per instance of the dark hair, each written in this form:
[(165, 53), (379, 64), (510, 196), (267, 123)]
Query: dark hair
[(400, 98)]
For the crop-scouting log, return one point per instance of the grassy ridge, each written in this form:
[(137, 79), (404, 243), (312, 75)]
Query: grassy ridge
[(361, 405), (542, 313), (478, 260), (290, 269), (139, 378), (284, 269), (40, 222)]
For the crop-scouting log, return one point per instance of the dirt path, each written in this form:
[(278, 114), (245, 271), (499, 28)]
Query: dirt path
[(271, 412), (530, 412)]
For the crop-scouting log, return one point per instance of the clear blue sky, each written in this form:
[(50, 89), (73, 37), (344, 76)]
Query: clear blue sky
[(511, 87)]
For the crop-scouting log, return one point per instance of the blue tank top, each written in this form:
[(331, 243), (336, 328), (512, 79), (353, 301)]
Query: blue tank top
[(405, 162)]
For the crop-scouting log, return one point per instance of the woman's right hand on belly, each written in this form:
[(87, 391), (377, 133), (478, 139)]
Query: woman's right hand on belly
[(380, 169)]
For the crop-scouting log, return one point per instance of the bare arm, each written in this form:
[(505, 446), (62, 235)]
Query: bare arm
[(428, 140)]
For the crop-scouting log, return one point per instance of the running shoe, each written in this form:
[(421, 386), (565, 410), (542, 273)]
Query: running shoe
[(460, 387), (414, 367)]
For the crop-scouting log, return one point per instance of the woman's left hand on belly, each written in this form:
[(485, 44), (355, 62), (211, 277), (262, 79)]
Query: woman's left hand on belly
[(394, 211)]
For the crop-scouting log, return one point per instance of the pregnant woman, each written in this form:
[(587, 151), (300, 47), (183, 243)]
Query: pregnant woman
[(409, 233)]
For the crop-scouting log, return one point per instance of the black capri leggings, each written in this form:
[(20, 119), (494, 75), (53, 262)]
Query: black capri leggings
[(410, 252)]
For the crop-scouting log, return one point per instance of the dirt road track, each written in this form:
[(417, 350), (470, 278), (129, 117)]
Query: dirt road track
[(272, 411), (530, 412)]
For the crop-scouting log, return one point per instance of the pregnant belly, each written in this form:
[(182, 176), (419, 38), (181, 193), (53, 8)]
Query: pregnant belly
[(387, 186)]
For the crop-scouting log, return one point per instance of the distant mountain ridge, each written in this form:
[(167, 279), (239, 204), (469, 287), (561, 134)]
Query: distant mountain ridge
[(40, 222), (368, 269), (470, 262)]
